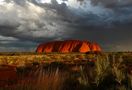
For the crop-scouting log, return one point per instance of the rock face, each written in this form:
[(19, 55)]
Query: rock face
[(68, 46)]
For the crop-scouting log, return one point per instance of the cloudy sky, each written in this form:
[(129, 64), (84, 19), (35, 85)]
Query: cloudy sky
[(26, 23)]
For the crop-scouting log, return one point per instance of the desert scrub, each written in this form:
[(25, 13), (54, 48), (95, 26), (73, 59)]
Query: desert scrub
[(3, 60), (102, 66), (81, 56), (83, 79), (118, 71), (90, 56), (67, 57), (44, 80), (119, 74), (35, 59), (7, 60), (130, 80), (56, 57), (46, 57), (60, 65)]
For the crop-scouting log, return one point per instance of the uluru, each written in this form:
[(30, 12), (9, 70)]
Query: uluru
[(68, 46)]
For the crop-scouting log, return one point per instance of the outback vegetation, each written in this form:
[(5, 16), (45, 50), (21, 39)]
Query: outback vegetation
[(66, 71)]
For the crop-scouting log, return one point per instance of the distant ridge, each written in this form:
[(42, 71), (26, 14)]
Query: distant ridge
[(68, 46)]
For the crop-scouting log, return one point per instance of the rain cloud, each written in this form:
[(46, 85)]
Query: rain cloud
[(26, 23)]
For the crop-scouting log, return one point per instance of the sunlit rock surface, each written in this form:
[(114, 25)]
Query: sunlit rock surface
[(68, 46)]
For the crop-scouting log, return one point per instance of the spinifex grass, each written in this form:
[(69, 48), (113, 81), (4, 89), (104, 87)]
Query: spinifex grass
[(40, 80), (107, 72), (49, 80)]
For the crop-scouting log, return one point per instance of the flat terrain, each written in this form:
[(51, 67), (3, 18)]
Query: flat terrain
[(66, 71), (20, 59)]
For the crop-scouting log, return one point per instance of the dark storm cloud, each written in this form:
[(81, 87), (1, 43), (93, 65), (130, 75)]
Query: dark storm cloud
[(115, 38), (112, 3), (29, 22)]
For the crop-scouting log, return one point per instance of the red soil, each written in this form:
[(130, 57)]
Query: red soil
[(7, 75)]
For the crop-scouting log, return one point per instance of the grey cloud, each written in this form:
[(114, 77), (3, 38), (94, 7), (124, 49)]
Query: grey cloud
[(112, 3), (12, 44), (107, 22), (117, 38), (31, 21)]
